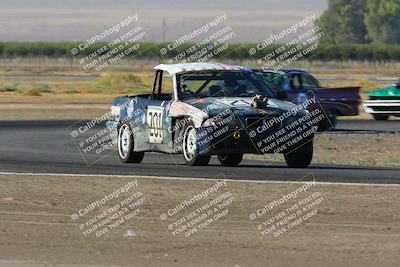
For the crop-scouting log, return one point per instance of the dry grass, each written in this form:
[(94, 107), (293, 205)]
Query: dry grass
[(47, 80), (65, 76), (366, 86), (50, 84), (54, 107)]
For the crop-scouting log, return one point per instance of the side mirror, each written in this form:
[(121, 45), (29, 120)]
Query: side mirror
[(282, 95), (397, 85)]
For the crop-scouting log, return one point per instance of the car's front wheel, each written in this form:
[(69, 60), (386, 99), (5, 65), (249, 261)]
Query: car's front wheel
[(125, 144), (380, 117), (230, 159), (190, 148), (300, 157)]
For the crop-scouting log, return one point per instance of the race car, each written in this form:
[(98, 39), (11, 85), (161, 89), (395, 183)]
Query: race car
[(384, 102), (205, 109)]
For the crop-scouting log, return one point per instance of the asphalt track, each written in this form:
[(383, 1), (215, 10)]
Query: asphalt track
[(47, 147)]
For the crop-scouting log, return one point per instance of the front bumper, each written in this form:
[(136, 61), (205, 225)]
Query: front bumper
[(248, 141), (390, 107)]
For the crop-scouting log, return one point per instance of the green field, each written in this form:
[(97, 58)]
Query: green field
[(328, 51)]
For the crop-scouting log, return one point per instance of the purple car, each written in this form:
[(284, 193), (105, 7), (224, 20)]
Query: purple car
[(298, 84)]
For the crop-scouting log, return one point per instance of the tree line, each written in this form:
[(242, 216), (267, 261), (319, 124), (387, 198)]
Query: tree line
[(362, 21)]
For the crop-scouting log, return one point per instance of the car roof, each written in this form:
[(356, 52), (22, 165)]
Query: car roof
[(196, 66)]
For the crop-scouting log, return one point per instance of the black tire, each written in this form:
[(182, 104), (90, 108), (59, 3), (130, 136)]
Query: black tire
[(330, 122), (125, 145), (380, 117), (301, 157), (190, 149), (230, 159)]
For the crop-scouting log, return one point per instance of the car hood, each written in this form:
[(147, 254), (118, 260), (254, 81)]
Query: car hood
[(239, 106), (392, 91)]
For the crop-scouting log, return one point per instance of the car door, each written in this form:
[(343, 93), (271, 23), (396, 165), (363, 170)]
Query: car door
[(295, 87), (308, 86), (157, 135), (308, 82)]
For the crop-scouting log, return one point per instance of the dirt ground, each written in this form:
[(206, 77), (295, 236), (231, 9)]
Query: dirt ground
[(356, 225)]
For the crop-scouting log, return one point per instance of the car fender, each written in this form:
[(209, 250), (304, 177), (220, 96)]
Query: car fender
[(181, 109)]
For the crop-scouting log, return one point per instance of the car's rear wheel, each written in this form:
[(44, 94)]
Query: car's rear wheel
[(380, 117), (230, 159), (190, 148), (301, 157), (125, 144)]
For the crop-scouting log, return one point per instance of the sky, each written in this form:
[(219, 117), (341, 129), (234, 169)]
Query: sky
[(75, 20)]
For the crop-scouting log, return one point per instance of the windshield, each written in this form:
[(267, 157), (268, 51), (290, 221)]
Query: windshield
[(273, 79), (221, 84)]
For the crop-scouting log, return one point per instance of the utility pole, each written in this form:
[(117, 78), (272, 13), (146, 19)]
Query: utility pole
[(164, 30)]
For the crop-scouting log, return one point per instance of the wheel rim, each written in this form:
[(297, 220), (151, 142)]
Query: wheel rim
[(124, 141), (222, 156), (190, 143)]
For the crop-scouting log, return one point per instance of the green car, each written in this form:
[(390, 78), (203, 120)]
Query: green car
[(384, 102)]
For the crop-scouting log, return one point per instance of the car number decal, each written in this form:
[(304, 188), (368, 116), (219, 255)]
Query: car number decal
[(155, 124)]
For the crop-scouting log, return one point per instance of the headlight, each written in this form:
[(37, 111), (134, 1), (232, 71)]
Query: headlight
[(217, 121), (209, 123)]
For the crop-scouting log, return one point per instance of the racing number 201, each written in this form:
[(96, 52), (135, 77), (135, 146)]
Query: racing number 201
[(154, 121)]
